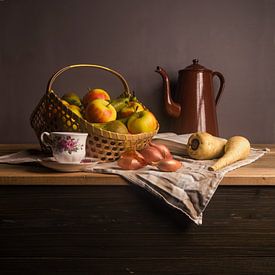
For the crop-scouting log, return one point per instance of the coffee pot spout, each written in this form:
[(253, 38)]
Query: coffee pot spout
[(172, 108)]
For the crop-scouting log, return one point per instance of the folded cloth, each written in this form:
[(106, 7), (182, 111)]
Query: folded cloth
[(189, 189), (25, 156)]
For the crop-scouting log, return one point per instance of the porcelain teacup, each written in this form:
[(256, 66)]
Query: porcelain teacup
[(67, 147)]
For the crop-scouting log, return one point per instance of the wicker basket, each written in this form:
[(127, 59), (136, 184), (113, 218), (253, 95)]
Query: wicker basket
[(52, 115)]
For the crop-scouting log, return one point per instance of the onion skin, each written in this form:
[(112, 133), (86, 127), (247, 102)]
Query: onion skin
[(168, 165), (151, 154), (158, 156), (131, 160), (133, 154), (129, 163), (165, 152)]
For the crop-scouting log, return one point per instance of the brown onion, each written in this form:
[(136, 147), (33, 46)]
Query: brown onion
[(151, 154), (131, 160), (165, 152), (168, 165)]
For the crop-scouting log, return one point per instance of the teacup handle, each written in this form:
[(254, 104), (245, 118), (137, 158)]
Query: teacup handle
[(42, 137)]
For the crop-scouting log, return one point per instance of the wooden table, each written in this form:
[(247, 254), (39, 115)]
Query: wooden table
[(84, 223)]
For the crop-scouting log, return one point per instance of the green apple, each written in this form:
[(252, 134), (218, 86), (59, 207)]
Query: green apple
[(100, 110), (131, 108), (142, 122), (95, 94)]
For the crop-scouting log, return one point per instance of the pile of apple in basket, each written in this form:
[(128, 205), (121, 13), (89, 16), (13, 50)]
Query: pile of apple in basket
[(124, 115)]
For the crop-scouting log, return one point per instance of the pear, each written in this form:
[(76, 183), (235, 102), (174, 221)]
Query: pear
[(120, 103), (66, 103), (72, 98), (76, 110), (73, 108), (113, 126), (123, 120), (202, 145), (116, 126)]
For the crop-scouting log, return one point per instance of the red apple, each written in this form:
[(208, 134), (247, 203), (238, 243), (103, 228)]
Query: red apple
[(142, 122), (100, 110), (95, 94), (131, 108)]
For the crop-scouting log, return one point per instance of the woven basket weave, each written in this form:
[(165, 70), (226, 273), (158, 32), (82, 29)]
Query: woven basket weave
[(52, 115)]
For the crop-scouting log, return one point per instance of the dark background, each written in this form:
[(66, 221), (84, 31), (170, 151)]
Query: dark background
[(236, 38)]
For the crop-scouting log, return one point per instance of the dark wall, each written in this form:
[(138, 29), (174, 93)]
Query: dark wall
[(236, 38)]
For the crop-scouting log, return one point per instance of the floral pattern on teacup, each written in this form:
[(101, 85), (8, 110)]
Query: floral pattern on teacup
[(67, 144)]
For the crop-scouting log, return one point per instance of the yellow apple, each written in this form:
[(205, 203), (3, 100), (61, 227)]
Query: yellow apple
[(95, 94), (131, 108), (142, 122), (100, 110)]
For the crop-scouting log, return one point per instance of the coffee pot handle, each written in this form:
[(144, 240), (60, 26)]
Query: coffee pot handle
[(221, 78)]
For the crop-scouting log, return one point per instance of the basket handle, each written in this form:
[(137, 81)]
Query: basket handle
[(125, 85)]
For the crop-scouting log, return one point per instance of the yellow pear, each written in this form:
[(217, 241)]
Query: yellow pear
[(66, 103), (116, 126), (113, 126), (72, 98), (75, 109)]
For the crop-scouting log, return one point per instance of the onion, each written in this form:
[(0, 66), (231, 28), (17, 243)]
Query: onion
[(157, 155), (131, 160), (165, 152), (168, 165), (151, 154)]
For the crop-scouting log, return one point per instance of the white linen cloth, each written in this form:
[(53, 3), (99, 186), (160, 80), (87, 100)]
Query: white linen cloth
[(189, 189)]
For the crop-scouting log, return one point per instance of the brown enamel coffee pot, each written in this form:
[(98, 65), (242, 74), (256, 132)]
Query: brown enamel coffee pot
[(194, 104)]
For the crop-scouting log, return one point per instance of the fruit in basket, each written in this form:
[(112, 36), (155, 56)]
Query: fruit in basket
[(113, 126), (72, 98), (66, 103), (116, 126), (124, 120), (120, 103), (100, 110), (142, 122), (131, 108), (95, 94), (76, 110)]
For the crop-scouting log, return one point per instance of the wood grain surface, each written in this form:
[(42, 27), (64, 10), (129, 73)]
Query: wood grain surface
[(261, 172), (125, 230)]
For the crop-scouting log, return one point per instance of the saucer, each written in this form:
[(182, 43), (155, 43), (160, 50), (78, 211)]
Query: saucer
[(68, 167)]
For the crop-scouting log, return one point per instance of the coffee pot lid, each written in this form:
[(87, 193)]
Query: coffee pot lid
[(195, 66)]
